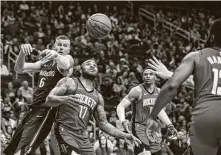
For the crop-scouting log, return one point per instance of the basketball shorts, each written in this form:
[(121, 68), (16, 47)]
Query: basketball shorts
[(73, 141), (205, 131), (34, 128)]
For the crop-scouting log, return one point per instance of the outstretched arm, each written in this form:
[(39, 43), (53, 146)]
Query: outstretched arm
[(23, 67), (161, 71), (169, 90), (65, 86), (104, 125)]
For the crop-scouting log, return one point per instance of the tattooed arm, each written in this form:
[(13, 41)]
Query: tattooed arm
[(65, 86), (104, 125)]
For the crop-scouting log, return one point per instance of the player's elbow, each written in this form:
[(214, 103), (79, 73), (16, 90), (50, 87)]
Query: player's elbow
[(64, 65), (172, 86)]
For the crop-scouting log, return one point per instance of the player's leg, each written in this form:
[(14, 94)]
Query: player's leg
[(204, 129)]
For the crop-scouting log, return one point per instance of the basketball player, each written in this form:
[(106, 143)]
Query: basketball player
[(205, 65), (142, 98), (77, 101), (52, 67)]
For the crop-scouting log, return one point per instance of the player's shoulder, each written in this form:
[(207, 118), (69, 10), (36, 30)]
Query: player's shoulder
[(136, 89)]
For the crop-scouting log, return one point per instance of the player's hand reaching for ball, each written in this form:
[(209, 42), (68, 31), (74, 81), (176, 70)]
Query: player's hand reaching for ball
[(152, 124), (26, 49), (48, 54)]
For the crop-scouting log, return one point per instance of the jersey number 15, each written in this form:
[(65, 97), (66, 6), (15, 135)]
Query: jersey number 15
[(216, 90)]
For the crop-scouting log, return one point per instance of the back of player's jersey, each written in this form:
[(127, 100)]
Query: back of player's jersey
[(48, 78), (207, 76), (75, 116), (141, 109)]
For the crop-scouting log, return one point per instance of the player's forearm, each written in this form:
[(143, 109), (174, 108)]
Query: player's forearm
[(55, 101), (165, 96), (164, 117), (63, 62), (121, 113), (111, 130), (19, 63)]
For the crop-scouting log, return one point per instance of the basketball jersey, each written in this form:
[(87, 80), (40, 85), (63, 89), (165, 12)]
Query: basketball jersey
[(48, 78), (75, 116), (207, 76), (141, 109)]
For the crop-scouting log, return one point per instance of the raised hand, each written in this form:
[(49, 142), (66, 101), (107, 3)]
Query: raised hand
[(26, 49), (159, 68)]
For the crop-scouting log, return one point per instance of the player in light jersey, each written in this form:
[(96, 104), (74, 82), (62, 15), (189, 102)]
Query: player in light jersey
[(37, 122), (205, 65), (142, 98), (77, 101)]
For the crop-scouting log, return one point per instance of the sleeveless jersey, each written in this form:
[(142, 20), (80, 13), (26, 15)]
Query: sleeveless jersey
[(76, 116), (141, 109), (207, 76), (48, 78)]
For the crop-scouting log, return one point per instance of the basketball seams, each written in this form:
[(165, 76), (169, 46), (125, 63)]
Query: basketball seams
[(100, 22), (95, 29)]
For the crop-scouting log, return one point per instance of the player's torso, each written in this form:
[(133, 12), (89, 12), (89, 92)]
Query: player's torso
[(141, 109), (48, 78), (207, 76), (76, 116)]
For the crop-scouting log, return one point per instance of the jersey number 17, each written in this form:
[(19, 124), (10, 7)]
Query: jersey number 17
[(216, 90)]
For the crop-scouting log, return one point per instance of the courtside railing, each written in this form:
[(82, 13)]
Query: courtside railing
[(168, 25)]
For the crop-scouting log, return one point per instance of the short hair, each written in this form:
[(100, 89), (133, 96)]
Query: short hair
[(215, 30), (62, 37)]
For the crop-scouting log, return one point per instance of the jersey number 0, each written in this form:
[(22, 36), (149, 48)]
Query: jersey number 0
[(216, 76)]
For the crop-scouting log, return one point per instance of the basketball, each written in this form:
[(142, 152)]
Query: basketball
[(98, 26)]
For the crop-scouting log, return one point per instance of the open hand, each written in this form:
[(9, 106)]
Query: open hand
[(48, 54), (133, 139), (159, 68), (26, 49)]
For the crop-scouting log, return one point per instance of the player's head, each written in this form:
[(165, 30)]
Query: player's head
[(149, 76), (214, 38), (62, 45), (89, 69)]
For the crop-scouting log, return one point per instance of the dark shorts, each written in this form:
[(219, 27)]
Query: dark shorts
[(205, 131), (34, 128), (140, 132), (73, 141)]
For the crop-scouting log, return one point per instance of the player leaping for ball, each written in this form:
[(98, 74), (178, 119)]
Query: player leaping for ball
[(205, 65), (52, 67), (77, 100)]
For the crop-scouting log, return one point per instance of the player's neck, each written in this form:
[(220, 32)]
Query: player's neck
[(88, 84), (149, 87)]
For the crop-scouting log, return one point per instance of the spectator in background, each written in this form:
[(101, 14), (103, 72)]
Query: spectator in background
[(103, 148), (10, 92), (9, 124), (4, 69), (123, 148), (26, 91)]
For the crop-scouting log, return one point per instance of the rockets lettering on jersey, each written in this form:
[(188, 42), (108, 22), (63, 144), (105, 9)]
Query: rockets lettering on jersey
[(149, 102), (86, 100)]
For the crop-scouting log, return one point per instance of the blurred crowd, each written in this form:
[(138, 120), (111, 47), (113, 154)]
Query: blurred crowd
[(121, 58)]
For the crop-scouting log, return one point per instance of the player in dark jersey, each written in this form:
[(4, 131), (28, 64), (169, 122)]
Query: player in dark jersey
[(205, 65), (80, 102), (142, 98), (37, 123)]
